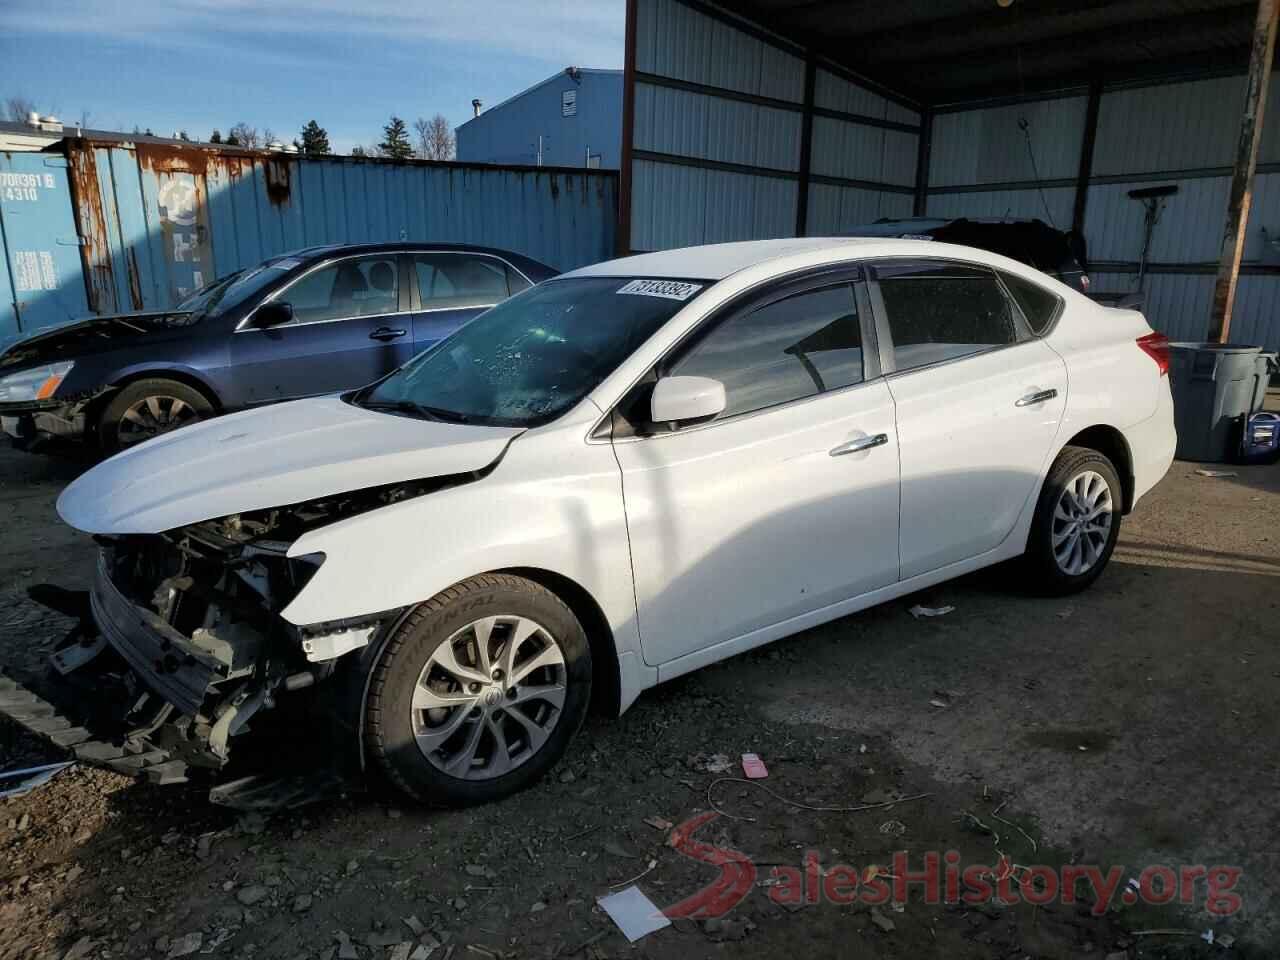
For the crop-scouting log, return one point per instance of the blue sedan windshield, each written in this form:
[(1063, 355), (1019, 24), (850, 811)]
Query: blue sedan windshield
[(532, 357), (235, 288)]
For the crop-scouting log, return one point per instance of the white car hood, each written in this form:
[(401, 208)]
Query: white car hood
[(269, 457)]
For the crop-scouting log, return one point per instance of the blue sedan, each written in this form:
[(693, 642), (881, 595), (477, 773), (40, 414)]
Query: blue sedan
[(314, 321)]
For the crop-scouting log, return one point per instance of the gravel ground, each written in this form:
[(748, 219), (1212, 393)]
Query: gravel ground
[(1131, 725)]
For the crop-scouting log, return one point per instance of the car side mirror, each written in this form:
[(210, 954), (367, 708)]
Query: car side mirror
[(677, 399), (272, 314)]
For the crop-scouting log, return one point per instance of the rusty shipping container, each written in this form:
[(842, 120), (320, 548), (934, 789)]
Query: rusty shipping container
[(40, 282), (157, 221)]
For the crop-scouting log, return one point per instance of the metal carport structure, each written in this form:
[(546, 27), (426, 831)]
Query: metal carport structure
[(765, 118)]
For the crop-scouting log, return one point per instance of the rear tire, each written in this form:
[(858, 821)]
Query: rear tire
[(1076, 525), (455, 716), (147, 408)]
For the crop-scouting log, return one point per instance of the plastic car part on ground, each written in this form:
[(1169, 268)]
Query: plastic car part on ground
[(18, 783)]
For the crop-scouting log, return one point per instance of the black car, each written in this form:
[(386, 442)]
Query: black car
[(313, 321), (1060, 254)]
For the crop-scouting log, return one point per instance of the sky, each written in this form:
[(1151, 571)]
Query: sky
[(196, 65)]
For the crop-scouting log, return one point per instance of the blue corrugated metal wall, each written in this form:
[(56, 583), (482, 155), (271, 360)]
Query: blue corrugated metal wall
[(157, 220), (508, 132)]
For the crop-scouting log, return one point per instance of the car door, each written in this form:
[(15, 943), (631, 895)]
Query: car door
[(351, 325), (787, 501), (978, 399), (450, 287)]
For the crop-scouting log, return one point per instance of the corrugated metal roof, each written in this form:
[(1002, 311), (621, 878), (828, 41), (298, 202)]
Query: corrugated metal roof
[(944, 51)]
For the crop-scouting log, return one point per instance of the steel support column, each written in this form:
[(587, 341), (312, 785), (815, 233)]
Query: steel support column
[(1246, 160)]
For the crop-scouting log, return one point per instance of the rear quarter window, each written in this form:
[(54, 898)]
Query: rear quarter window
[(1038, 305)]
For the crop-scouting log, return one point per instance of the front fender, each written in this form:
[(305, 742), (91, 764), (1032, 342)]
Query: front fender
[(553, 504), (172, 371)]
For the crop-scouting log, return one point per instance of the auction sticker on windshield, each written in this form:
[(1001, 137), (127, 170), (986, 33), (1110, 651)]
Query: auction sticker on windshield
[(670, 289)]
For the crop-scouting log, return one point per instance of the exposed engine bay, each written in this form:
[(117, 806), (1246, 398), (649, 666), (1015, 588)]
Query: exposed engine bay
[(186, 626)]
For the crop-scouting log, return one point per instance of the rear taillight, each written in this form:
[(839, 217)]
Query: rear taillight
[(1156, 346)]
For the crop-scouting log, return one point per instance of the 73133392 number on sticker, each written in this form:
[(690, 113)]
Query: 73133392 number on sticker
[(670, 289)]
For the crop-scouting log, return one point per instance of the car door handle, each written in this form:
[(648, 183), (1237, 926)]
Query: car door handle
[(862, 443), (1040, 396), (386, 333)]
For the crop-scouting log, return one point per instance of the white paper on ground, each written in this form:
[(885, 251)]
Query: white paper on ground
[(633, 912)]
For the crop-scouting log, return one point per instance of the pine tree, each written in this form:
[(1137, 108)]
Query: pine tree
[(358, 151), (216, 136), (395, 143), (315, 140)]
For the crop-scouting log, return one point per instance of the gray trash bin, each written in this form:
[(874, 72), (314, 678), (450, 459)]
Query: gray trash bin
[(1213, 385)]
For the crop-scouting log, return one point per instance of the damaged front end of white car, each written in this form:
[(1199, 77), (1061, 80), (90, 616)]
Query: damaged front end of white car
[(180, 647)]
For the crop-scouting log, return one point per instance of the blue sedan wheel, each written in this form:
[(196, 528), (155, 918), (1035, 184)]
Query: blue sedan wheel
[(148, 408)]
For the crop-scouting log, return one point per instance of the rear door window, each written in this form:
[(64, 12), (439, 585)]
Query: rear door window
[(455, 280), (938, 312)]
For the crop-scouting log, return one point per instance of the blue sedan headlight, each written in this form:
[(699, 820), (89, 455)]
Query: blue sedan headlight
[(37, 383)]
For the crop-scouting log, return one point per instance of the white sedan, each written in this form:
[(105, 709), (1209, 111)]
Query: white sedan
[(623, 474)]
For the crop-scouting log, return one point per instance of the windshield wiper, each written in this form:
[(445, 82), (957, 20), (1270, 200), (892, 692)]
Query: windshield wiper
[(422, 411), (398, 406), (448, 416)]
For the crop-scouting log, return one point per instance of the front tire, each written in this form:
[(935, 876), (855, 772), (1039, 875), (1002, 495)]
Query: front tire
[(1076, 525), (478, 692), (147, 408)]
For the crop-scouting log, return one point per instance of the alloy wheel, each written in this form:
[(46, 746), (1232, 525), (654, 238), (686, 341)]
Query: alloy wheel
[(1082, 523), (152, 416), (489, 697)]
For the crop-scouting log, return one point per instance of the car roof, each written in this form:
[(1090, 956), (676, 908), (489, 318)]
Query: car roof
[(525, 264), (715, 261), (889, 228)]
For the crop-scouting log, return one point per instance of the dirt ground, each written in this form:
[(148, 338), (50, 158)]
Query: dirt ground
[(1129, 726)]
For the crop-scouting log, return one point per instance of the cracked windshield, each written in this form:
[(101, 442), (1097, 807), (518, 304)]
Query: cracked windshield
[(531, 358)]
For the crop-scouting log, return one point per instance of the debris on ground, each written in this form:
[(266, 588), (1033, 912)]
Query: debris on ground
[(893, 828), (881, 921), (29, 778), (1215, 474), (634, 913), (754, 767), (720, 929), (254, 893), (416, 926), (710, 763), (919, 611), (185, 945), (659, 823)]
